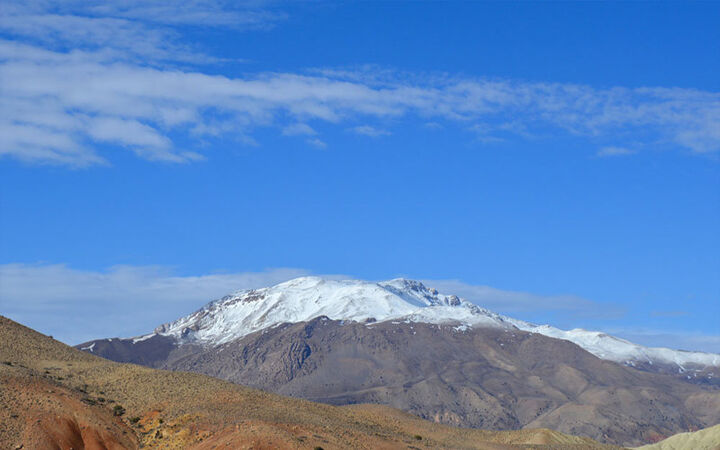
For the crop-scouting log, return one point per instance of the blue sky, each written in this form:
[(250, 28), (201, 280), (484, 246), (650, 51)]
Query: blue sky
[(557, 162)]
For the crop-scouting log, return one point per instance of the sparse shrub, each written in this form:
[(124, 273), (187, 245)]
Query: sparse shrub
[(101, 399), (7, 363), (134, 420), (418, 437), (319, 448), (160, 421), (89, 401), (118, 410)]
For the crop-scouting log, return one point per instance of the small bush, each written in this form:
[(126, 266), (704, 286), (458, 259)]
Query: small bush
[(135, 420), (418, 437), (319, 448), (118, 410)]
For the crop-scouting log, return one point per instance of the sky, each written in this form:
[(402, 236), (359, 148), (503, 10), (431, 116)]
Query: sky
[(556, 162)]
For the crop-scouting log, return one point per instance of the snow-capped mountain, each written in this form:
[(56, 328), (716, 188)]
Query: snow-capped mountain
[(302, 299), (402, 344)]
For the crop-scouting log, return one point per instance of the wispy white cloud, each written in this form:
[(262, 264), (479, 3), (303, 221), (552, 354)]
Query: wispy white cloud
[(511, 302), (77, 305), (315, 142), (676, 339), (298, 129), (63, 96), (141, 31), (77, 75), (614, 151), (367, 130)]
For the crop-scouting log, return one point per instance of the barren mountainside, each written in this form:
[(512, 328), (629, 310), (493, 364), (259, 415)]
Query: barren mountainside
[(493, 378), (53, 396)]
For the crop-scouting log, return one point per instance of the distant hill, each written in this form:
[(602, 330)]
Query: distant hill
[(54, 396)]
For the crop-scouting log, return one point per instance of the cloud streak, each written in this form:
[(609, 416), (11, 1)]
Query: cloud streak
[(144, 28), (70, 102), (614, 151), (75, 79), (78, 305), (512, 302), (690, 341)]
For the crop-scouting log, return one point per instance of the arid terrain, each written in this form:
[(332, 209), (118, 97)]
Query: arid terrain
[(56, 397), (705, 439), (481, 377)]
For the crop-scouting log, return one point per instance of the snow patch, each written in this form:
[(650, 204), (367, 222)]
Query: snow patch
[(89, 347), (143, 338)]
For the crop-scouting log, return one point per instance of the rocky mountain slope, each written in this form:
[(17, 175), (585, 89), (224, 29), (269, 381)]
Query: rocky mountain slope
[(53, 396), (437, 356)]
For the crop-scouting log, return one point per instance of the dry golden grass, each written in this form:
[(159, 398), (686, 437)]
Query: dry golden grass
[(177, 410)]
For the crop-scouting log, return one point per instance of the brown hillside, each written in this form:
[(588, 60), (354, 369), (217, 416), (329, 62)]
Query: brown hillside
[(54, 396), (705, 439), (482, 378)]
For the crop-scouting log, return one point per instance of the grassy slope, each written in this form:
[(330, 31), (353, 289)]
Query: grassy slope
[(705, 439), (184, 410)]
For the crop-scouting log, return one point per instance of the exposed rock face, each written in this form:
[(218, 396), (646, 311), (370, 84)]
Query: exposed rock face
[(491, 378)]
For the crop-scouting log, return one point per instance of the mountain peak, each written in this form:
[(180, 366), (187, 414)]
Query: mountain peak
[(302, 299), (305, 298)]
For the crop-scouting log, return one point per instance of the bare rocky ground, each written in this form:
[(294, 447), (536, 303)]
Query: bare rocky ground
[(482, 377), (55, 397)]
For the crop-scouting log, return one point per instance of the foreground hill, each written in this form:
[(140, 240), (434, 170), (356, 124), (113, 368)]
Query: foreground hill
[(401, 344), (54, 396), (707, 439)]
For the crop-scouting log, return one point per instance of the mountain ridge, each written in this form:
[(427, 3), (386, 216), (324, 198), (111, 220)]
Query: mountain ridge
[(305, 298)]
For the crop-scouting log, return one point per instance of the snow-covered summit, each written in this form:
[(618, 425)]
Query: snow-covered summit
[(306, 298)]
